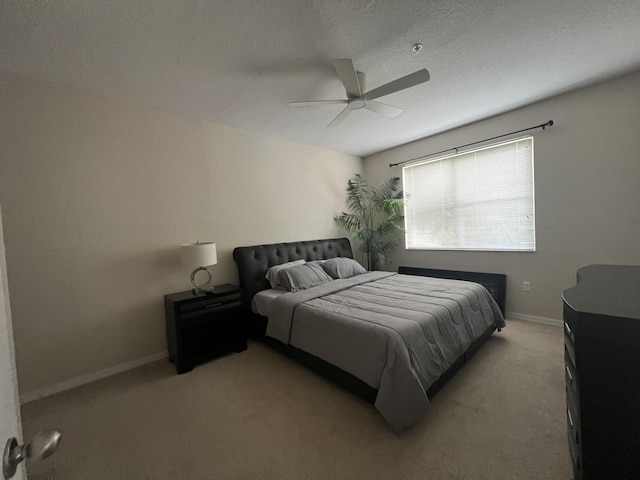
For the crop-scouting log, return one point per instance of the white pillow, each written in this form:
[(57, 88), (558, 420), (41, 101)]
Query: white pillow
[(272, 273)]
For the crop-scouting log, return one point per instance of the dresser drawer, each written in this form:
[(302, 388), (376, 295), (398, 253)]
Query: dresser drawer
[(568, 332), (573, 420), (575, 455), (570, 354), (576, 459), (570, 375), (569, 344)]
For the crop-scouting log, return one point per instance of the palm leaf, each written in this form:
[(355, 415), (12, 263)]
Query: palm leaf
[(348, 221), (357, 193), (386, 189), (375, 212)]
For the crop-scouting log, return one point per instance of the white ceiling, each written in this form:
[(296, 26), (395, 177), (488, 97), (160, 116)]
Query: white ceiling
[(239, 62)]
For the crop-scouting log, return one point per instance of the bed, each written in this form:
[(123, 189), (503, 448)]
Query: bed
[(391, 338)]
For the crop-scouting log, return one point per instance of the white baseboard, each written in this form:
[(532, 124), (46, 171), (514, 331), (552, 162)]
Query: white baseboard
[(123, 367), (88, 378), (533, 318)]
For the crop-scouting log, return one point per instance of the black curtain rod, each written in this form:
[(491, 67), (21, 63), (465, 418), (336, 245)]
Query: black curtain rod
[(542, 126)]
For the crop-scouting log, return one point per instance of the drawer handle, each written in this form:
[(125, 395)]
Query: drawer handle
[(569, 373), (213, 305), (570, 418), (568, 329)]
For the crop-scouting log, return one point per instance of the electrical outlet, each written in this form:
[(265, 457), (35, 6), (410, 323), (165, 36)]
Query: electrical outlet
[(526, 286)]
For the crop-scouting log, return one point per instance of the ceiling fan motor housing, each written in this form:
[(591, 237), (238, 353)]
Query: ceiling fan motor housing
[(356, 103)]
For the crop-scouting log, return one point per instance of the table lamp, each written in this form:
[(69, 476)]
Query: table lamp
[(199, 256)]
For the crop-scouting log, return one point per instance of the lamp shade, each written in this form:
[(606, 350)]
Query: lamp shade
[(199, 254)]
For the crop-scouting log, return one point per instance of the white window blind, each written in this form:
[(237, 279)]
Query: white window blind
[(477, 200)]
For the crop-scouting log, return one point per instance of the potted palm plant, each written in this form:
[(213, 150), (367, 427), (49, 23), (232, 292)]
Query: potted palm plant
[(377, 214)]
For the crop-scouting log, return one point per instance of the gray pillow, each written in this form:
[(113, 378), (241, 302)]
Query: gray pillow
[(272, 273), (343, 267), (302, 277)]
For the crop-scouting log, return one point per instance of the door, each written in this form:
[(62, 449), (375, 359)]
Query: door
[(10, 425)]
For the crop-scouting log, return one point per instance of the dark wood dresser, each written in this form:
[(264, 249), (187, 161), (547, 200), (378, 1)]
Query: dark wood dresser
[(602, 369)]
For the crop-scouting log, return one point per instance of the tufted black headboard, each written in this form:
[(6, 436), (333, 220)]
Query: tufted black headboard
[(253, 262)]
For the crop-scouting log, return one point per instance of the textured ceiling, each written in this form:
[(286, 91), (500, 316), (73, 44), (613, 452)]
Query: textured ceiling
[(239, 62)]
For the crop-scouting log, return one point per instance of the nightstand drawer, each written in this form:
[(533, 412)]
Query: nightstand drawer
[(213, 310), (208, 303)]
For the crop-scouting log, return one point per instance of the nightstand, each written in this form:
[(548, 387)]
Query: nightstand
[(201, 326)]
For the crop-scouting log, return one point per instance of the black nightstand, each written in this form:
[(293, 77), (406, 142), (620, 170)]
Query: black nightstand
[(201, 326)]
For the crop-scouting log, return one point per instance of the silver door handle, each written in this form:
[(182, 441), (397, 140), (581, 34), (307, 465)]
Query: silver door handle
[(42, 445)]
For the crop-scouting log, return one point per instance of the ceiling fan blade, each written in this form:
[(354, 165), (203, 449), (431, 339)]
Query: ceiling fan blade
[(341, 116), (384, 109), (348, 76), (313, 103), (407, 81)]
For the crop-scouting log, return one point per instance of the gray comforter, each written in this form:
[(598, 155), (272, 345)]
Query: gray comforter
[(397, 333)]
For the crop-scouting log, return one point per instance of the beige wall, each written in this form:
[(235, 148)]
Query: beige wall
[(96, 196), (587, 187)]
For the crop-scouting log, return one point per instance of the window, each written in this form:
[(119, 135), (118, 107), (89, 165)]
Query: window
[(477, 200)]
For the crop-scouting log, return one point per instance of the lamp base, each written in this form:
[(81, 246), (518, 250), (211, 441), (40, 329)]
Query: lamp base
[(204, 287)]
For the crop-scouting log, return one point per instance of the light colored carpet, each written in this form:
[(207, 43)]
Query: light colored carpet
[(259, 415)]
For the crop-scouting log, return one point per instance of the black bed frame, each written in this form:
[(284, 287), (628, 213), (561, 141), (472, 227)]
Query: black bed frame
[(254, 261), (495, 283)]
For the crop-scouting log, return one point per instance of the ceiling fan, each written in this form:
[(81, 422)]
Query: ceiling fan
[(355, 85)]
